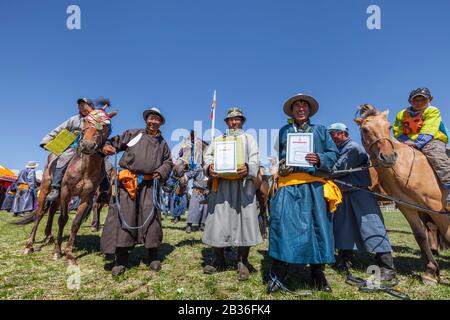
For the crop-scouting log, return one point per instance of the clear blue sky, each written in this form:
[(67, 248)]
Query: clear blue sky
[(173, 54)]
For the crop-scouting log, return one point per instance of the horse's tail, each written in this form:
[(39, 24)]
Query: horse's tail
[(30, 218)]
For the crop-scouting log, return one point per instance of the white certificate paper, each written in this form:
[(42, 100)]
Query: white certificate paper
[(298, 146), (225, 157)]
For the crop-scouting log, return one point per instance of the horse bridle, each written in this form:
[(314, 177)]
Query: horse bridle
[(369, 148), (98, 147)]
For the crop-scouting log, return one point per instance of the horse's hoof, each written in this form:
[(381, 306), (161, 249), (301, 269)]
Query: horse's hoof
[(28, 251), (56, 256), (429, 280)]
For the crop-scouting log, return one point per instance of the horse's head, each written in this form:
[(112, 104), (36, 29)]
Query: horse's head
[(375, 134), (97, 127)]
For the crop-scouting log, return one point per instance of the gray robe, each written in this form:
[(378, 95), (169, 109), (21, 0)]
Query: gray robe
[(232, 211), (148, 155)]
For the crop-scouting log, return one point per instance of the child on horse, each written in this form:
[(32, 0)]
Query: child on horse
[(420, 126)]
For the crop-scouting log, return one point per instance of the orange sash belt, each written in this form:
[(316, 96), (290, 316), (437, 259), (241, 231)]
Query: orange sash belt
[(331, 191), (23, 186), (129, 182)]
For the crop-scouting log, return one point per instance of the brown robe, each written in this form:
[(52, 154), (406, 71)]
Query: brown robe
[(150, 154)]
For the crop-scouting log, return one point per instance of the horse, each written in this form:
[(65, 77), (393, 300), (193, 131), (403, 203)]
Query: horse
[(401, 170), (84, 173)]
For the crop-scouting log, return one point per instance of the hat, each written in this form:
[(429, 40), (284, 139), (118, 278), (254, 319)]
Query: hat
[(86, 100), (235, 112), (32, 165), (338, 127), (425, 92), (156, 111), (313, 104)]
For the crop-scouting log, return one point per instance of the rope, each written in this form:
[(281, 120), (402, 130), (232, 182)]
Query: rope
[(388, 288), (157, 205), (284, 289)]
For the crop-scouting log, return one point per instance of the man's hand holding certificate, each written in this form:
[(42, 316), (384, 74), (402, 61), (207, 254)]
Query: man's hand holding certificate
[(300, 148)]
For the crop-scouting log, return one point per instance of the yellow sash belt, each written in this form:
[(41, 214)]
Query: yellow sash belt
[(331, 191), (23, 186)]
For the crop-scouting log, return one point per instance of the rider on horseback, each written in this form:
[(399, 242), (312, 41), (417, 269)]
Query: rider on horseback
[(74, 125), (420, 126)]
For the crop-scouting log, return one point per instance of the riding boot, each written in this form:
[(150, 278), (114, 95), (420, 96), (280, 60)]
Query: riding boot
[(189, 228), (386, 263), (278, 272), (318, 278), (344, 261), (155, 263), (56, 184), (121, 262), (244, 267), (218, 263)]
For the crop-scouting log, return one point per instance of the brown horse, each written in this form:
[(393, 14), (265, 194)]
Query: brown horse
[(405, 174), (84, 173)]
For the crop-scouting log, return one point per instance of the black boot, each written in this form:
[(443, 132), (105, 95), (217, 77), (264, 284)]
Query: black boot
[(121, 262), (319, 281), (278, 272), (219, 262), (344, 261), (244, 267), (386, 263), (56, 184), (189, 228), (155, 263)]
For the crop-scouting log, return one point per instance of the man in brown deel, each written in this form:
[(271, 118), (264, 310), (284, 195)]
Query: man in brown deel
[(135, 220)]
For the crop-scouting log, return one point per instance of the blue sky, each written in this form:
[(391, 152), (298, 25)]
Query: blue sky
[(173, 54)]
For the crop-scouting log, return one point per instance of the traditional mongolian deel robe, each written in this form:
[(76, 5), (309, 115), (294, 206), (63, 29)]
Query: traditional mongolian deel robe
[(75, 125), (232, 211), (358, 222), (301, 230), (25, 199), (197, 211), (143, 155), (9, 197)]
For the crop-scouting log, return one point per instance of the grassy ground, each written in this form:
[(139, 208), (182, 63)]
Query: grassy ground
[(38, 277)]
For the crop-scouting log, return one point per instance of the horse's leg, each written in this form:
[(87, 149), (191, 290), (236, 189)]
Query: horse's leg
[(38, 215), (431, 274), (63, 217), (442, 223), (49, 238), (76, 224)]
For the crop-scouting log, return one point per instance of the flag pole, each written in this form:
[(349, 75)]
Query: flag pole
[(213, 116)]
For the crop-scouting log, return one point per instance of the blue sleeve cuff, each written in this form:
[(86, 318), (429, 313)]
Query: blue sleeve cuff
[(403, 138), (422, 140)]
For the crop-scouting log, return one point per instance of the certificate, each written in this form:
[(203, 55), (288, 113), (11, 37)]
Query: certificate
[(225, 157), (298, 146)]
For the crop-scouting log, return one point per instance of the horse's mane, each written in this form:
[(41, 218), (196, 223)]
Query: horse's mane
[(367, 110)]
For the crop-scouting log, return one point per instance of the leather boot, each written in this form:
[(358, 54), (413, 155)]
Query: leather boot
[(121, 262), (218, 263), (155, 263), (319, 281), (278, 272), (386, 263), (244, 267), (344, 261)]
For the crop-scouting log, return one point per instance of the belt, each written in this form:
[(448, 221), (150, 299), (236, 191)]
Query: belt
[(23, 186)]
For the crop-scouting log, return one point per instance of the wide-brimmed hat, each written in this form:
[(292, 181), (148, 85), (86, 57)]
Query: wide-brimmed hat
[(313, 104), (32, 165), (156, 111), (235, 112), (338, 127), (86, 100)]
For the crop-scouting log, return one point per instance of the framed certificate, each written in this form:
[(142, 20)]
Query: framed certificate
[(225, 158), (298, 146)]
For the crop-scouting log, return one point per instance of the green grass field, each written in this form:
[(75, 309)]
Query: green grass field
[(36, 276)]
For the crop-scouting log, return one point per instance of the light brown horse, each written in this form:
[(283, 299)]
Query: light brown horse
[(84, 173), (405, 174)]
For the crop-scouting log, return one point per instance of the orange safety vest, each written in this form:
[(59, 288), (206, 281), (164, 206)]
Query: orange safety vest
[(412, 125)]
